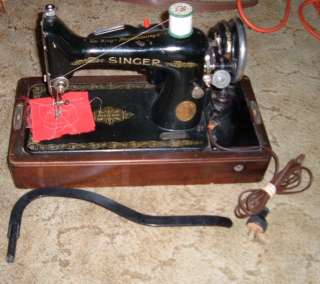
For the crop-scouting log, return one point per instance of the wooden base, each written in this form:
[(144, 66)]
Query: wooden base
[(131, 168)]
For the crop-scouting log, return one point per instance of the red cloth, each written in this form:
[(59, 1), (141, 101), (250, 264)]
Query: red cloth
[(76, 116)]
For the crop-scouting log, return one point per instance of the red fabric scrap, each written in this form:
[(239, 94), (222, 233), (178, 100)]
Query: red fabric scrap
[(76, 116)]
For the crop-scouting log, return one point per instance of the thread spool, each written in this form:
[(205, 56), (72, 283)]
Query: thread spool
[(180, 20)]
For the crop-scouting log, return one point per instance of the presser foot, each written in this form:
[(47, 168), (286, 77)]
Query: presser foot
[(60, 85), (58, 103)]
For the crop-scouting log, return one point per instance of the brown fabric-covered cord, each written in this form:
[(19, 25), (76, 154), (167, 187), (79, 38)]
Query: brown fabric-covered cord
[(286, 181)]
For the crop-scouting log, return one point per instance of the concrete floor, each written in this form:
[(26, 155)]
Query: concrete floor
[(64, 241)]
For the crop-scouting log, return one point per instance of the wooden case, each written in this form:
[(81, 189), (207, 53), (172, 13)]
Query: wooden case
[(131, 168)]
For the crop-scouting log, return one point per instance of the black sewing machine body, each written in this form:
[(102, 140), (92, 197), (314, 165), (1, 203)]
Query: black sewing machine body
[(191, 109), (174, 66)]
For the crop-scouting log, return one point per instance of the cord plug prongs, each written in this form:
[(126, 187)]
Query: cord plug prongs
[(257, 225)]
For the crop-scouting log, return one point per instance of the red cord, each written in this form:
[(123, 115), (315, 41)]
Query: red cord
[(304, 22), (285, 18), (279, 26)]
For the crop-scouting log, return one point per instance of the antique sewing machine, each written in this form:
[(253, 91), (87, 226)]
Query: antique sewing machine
[(190, 116)]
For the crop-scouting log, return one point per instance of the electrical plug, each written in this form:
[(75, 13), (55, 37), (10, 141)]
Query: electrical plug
[(257, 225)]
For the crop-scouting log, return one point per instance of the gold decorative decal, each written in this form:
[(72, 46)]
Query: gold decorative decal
[(111, 115), (38, 147), (141, 37), (123, 39), (113, 60), (186, 110), (181, 64), (86, 60), (40, 90)]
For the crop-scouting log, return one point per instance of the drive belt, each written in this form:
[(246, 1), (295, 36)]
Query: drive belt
[(107, 203)]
